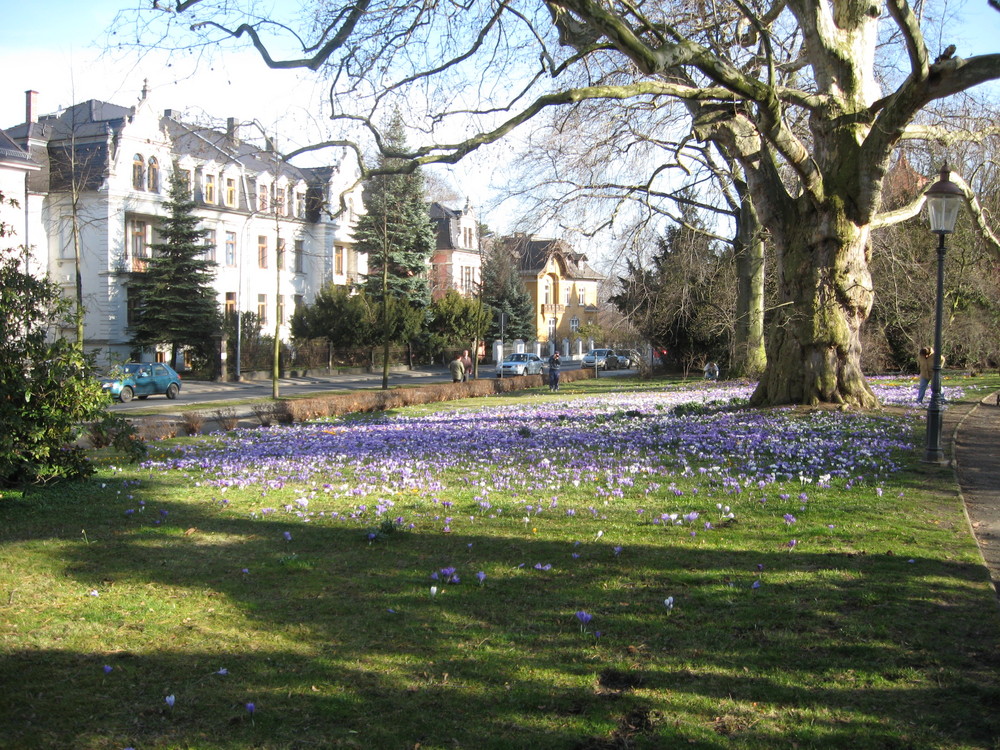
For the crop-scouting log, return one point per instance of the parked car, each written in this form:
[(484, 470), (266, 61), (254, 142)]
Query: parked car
[(520, 364), (630, 359), (141, 380), (603, 359)]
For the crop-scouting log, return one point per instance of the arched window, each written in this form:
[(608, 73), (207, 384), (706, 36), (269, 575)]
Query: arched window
[(153, 175), (547, 292), (138, 172)]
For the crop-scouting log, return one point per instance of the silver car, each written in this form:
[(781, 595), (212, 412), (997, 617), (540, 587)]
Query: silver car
[(602, 359), (519, 364)]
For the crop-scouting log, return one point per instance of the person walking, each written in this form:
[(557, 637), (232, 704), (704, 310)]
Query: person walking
[(457, 369), (925, 362), (467, 364), (554, 364)]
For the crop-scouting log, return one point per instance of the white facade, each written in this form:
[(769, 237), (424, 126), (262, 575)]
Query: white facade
[(274, 230), (15, 167)]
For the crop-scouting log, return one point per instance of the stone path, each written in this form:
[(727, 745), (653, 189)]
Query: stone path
[(976, 458)]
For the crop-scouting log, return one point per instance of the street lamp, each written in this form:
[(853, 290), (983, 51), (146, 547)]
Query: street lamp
[(944, 198)]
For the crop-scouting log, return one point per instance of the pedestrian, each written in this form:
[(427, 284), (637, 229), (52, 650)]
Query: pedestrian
[(457, 369), (554, 364), (925, 362), (711, 371), (467, 364)]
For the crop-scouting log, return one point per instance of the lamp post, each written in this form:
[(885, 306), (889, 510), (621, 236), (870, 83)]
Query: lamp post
[(944, 198)]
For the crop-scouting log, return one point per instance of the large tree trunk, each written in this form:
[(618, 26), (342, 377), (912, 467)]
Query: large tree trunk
[(749, 356), (814, 346)]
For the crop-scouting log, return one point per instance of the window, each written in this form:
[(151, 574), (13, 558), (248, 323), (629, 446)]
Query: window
[(230, 198), (262, 192), (468, 237), (189, 178), (262, 309), (300, 205), (210, 245), (566, 295), (230, 248), (574, 325), (281, 309), (338, 260), (467, 284), (131, 303), (153, 175), (261, 251), (210, 188), (230, 304), (279, 201), (552, 329), (138, 172), (546, 292), (297, 302), (279, 256), (299, 260), (350, 209), (139, 241), (581, 297)]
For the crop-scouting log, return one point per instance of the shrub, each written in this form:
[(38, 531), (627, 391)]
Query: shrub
[(46, 389), (193, 422), (226, 417)]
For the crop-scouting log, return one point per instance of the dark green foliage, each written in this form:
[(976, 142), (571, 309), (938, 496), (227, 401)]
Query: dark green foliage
[(681, 298), (176, 302), (505, 293), (116, 431), (46, 389), (396, 229), (458, 320), (343, 318)]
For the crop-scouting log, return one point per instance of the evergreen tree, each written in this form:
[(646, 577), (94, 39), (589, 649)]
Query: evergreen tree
[(398, 237), (505, 293), (396, 230), (175, 300)]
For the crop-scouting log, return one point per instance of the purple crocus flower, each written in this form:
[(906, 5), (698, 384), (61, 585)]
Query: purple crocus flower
[(584, 617), (251, 708)]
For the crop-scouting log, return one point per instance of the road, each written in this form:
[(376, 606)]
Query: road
[(195, 392)]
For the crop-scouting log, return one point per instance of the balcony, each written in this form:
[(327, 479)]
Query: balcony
[(553, 309)]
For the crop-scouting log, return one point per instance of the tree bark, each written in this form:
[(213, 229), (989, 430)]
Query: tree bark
[(749, 354), (825, 288)]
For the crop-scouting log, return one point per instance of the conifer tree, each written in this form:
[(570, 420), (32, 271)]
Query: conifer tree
[(398, 237), (175, 300), (505, 293)]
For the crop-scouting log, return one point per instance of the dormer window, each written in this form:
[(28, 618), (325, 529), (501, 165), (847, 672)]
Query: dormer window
[(153, 175), (138, 172), (210, 189), (262, 194)]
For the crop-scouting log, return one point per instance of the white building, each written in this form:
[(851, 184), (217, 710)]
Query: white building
[(457, 262), (15, 168), (277, 232)]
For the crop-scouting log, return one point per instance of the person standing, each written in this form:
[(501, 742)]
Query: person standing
[(554, 364), (925, 362), (467, 364), (457, 369)]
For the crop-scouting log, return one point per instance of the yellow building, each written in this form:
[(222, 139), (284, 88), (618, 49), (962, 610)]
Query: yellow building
[(563, 287)]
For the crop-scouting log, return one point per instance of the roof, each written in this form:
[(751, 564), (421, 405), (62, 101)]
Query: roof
[(11, 152), (532, 255)]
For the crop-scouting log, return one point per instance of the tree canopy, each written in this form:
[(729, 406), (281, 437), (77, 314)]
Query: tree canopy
[(807, 99)]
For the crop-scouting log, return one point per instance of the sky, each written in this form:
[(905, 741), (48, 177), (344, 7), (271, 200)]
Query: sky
[(57, 48)]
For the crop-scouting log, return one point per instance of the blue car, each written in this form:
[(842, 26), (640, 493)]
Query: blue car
[(142, 380)]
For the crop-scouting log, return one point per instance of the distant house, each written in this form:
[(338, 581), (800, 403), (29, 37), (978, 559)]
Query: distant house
[(561, 283), (277, 232), (457, 263), (16, 166)]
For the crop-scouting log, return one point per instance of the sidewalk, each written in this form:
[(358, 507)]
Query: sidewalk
[(976, 461)]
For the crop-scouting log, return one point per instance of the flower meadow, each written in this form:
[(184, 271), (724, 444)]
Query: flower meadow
[(636, 568)]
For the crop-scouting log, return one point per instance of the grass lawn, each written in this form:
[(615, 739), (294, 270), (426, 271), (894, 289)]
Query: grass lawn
[(621, 565)]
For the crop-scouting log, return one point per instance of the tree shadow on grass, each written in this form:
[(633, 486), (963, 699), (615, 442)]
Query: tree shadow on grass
[(339, 642)]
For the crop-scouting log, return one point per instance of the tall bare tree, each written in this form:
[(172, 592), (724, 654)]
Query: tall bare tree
[(799, 93)]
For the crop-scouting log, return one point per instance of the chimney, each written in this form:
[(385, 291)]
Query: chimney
[(30, 106), (232, 131), (169, 113)]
